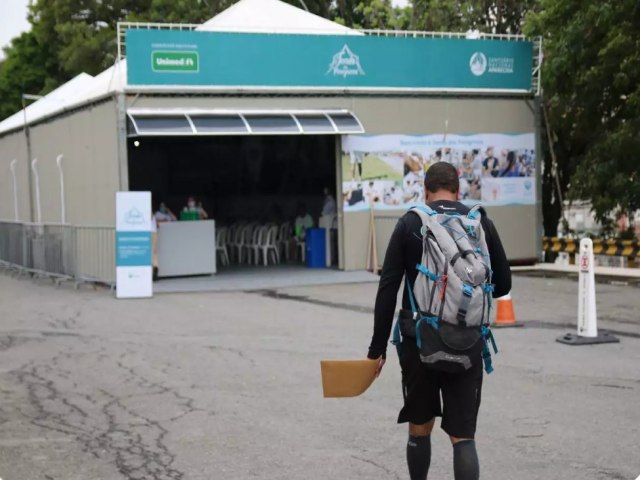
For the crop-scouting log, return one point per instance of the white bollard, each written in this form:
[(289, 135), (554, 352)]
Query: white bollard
[(587, 318)]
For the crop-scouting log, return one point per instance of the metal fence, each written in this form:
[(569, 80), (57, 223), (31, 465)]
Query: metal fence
[(60, 252)]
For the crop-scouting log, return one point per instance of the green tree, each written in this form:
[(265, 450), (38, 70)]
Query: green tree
[(591, 81), (371, 14), (489, 16), (73, 36), (22, 72)]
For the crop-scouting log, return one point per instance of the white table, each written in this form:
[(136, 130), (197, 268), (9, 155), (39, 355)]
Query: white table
[(186, 248)]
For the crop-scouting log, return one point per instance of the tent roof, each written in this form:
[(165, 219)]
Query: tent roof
[(48, 104), (272, 16), (257, 16), (79, 90)]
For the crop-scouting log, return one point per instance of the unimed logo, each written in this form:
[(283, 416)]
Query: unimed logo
[(175, 61)]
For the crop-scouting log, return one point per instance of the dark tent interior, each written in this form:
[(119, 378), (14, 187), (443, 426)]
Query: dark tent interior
[(261, 178)]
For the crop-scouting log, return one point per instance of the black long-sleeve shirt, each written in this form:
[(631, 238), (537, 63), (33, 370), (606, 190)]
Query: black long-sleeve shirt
[(405, 252)]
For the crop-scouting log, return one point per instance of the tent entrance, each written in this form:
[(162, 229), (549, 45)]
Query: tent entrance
[(241, 181)]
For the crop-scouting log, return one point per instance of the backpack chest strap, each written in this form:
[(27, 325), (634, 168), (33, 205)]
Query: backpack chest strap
[(463, 305)]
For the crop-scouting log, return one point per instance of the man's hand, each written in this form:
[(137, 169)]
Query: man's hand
[(381, 361)]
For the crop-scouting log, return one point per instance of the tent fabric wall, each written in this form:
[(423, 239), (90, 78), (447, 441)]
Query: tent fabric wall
[(405, 115), (88, 140), (13, 146)]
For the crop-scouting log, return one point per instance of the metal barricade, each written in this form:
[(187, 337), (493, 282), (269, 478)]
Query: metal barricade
[(95, 254), (64, 252), (12, 245)]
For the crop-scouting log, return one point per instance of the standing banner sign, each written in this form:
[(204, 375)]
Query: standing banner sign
[(134, 273)]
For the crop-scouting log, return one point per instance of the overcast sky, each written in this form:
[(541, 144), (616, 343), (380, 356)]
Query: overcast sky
[(14, 19)]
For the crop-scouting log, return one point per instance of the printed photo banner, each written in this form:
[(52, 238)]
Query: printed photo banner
[(387, 171)]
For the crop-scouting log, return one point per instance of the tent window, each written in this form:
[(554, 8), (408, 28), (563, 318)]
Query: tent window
[(315, 124), (165, 124), (346, 123), (272, 124), (225, 122), (219, 124)]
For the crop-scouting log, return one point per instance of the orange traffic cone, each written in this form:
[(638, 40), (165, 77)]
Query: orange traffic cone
[(505, 316)]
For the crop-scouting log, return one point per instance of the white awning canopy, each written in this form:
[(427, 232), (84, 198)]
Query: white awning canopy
[(189, 122)]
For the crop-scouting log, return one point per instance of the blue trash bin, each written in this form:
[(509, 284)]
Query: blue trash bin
[(316, 249)]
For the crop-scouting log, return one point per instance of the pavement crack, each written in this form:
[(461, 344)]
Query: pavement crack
[(301, 298), (381, 467), (138, 443), (235, 351)]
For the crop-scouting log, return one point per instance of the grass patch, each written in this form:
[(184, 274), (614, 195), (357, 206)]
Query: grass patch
[(373, 168)]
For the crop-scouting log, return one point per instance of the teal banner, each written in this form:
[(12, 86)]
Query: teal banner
[(133, 249), (191, 58)]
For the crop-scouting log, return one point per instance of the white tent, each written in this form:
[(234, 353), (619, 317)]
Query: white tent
[(272, 16), (79, 90), (48, 104), (256, 16)]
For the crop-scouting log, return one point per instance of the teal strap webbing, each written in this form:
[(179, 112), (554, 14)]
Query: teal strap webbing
[(412, 300)]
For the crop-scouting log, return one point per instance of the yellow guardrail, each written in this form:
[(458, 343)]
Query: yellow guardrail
[(618, 248)]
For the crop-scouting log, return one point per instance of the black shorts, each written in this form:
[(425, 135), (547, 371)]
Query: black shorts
[(422, 386)]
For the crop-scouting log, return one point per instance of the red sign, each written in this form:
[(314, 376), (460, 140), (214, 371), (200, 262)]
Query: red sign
[(584, 263)]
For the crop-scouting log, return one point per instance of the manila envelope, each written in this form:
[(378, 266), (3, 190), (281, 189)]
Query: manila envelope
[(347, 378)]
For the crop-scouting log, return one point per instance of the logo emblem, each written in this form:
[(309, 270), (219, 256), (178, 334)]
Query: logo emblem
[(478, 64), (527, 184), (134, 217), (345, 63), (584, 263), (173, 61)]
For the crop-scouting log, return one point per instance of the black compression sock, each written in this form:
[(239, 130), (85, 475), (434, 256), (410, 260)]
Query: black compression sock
[(360, 170), (418, 456), (465, 461)]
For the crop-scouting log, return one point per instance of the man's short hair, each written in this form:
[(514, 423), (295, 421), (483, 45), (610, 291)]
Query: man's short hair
[(442, 176)]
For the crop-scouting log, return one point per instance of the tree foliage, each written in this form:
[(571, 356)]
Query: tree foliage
[(25, 69), (591, 72), (371, 14), (591, 80), (68, 37), (489, 16)]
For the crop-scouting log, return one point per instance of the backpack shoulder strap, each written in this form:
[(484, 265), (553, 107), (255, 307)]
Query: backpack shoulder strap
[(475, 211), (424, 212)]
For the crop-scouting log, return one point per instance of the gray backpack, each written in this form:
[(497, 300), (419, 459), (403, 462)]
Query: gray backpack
[(451, 298)]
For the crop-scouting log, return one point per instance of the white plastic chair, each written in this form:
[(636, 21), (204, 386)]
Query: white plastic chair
[(284, 235), (244, 240), (231, 235), (270, 245), (235, 241), (253, 245), (221, 245)]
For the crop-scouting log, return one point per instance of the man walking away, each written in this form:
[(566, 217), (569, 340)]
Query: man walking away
[(422, 383)]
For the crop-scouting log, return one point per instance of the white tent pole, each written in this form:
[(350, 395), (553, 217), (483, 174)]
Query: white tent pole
[(63, 211), (37, 179), (12, 167)]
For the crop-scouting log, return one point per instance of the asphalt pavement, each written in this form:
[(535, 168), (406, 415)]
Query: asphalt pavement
[(227, 386)]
